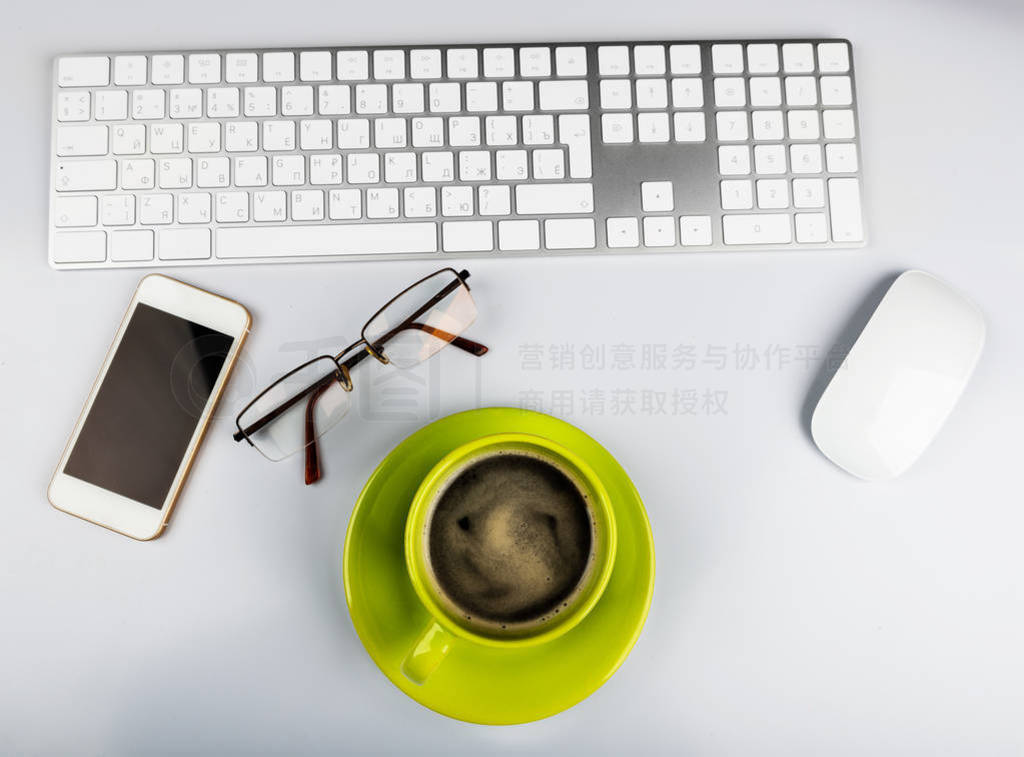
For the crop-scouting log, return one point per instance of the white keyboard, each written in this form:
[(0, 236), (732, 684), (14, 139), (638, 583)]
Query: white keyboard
[(211, 157)]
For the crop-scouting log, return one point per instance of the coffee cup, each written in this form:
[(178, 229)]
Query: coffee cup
[(509, 542)]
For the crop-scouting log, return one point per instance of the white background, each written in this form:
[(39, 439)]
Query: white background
[(797, 610)]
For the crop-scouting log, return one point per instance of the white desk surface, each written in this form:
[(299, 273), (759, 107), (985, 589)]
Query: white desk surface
[(797, 611)]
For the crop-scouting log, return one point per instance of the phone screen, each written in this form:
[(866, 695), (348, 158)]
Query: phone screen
[(148, 406)]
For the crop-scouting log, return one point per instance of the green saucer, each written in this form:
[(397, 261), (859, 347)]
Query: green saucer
[(478, 683)]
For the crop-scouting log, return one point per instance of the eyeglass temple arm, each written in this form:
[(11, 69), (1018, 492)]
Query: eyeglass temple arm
[(313, 472)]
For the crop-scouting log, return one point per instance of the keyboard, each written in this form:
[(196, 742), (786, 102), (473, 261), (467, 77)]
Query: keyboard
[(214, 157)]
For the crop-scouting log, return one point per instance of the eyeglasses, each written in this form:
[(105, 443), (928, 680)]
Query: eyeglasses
[(308, 401)]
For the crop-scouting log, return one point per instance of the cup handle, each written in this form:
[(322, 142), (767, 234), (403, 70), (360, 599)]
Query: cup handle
[(427, 653)]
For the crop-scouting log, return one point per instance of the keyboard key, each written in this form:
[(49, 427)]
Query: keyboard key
[(770, 159), (315, 65), (844, 210), (156, 209), (73, 106), (130, 70), (763, 58), (564, 95), (652, 127), (803, 124), (623, 232), (651, 93), (571, 61), (360, 239), (79, 247), (765, 92), (77, 210), (569, 233), (380, 203), (278, 67), (463, 63), (343, 205), (240, 68), (798, 58), (499, 62), (616, 94), (737, 194), (534, 62), (833, 57), (147, 104), (659, 231), (805, 158), (656, 196), (457, 201), (773, 194), (617, 128), (695, 231), (731, 126), (83, 72), (446, 98), (269, 206), (574, 132), (480, 96), (727, 59), (425, 64), (811, 228), (184, 244), (687, 93), (730, 92), (838, 124), (734, 160), (131, 246), (420, 202), (767, 125), (689, 127), (353, 65), (204, 68), (495, 201), (841, 158), (85, 175), (836, 90), (232, 207), (538, 130), (801, 91), (388, 65), (548, 164), (649, 60), (613, 60), (467, 236), (518, 235), (684, 59), (547, 199), (517, 95), (762, 228), (167, 69), (117, 210), (81, 140), (809, 193)]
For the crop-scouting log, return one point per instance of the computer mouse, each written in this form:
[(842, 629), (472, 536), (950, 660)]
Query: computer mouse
[(901, 379)]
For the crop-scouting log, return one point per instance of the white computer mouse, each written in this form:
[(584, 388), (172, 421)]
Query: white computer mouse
[(901, 379)]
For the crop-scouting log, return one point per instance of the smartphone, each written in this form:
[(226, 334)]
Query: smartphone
[(134, 443)]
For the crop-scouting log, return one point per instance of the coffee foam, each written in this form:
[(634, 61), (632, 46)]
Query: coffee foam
[(510, 540)]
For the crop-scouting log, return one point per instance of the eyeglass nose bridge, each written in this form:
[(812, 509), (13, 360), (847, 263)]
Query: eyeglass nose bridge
[(377, 353)]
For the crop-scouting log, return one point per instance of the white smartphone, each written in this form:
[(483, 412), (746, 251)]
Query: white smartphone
[(134, 442)]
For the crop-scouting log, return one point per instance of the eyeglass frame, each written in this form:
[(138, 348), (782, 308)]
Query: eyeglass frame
[(342, 374)]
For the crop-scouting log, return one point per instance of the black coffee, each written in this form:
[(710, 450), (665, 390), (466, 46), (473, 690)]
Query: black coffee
[(510, 540)]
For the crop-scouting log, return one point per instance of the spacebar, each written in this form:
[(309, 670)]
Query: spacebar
[(347, 239)]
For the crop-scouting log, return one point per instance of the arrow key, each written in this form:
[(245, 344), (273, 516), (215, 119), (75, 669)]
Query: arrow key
[(656, 196)]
